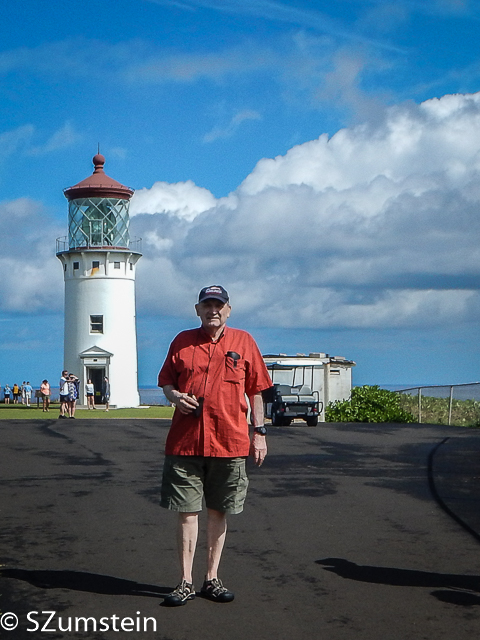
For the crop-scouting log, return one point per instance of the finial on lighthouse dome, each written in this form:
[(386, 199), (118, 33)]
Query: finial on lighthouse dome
[(98, 162)]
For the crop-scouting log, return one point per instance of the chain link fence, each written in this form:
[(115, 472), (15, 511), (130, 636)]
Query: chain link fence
[(455, 404)]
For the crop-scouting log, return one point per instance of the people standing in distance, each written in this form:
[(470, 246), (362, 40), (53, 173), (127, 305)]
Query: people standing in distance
[(28, 393), (45, 392), (106, 393), (63, 384), (90, 393), (73, 385)]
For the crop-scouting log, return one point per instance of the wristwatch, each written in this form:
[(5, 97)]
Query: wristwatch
[(261, 430)]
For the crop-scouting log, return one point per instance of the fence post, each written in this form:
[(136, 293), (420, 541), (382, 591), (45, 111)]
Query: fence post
[(419, 405), (450, 406)]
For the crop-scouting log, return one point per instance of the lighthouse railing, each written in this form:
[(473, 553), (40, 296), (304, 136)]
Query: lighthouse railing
[(62, 245), (135, 244)]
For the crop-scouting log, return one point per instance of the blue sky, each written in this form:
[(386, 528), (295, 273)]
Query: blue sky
[(319, 159)]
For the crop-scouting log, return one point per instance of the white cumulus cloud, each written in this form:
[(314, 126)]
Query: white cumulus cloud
[(183, 200), (376, 226), (31, 274)]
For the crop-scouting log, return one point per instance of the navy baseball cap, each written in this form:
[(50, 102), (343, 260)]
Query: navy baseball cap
[(215, 291)]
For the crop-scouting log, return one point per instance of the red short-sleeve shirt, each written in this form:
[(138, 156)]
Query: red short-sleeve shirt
[(197, 364)]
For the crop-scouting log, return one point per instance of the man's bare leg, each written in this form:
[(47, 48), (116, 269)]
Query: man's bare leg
[(187, 542), (213, 588), (216, 533), (187, 534)]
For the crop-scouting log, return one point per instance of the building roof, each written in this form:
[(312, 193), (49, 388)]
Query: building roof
[(279, 361), (98, 185)]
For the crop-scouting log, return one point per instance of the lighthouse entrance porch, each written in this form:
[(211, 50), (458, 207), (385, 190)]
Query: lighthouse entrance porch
[(95, 367)]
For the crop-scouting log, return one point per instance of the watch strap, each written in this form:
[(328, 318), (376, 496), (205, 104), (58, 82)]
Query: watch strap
[(262, 430)]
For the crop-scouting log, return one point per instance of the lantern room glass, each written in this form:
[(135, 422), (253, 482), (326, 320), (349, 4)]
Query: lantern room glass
[(98, 222)]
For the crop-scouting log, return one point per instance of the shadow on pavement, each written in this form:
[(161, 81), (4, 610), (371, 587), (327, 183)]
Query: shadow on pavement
[(458, 587), (84, 581), (453, 474)]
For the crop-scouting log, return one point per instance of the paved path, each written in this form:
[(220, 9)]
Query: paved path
[(341, 538)]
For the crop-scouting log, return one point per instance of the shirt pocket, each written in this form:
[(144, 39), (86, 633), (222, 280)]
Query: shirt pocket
[(234, 370)]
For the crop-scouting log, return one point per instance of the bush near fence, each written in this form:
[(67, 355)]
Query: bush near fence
[(368, 404)]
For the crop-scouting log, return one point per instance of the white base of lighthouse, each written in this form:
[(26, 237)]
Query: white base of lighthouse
[(100, 323)]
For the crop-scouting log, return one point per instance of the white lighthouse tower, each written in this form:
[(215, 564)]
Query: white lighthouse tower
[(99, 264)]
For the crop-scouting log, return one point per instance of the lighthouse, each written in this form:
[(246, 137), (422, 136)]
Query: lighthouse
[(99, 264)]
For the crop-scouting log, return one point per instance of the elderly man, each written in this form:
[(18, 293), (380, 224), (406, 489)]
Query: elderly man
[(206, 375)]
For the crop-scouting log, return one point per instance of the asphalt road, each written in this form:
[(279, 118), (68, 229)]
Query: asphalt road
[(350, 531)]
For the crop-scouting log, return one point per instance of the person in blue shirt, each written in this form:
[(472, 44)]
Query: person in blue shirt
[(28, 393)]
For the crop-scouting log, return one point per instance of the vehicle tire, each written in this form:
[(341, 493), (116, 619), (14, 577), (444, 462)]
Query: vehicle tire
[(313, 421), (287, 422)]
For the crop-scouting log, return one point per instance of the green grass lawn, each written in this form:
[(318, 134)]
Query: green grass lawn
[(20, 412)]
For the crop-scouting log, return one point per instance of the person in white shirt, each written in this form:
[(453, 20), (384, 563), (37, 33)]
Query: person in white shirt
[(63, 394), (90, 391)]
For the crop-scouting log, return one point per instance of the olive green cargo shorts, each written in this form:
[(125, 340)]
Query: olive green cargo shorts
[(187, 479)]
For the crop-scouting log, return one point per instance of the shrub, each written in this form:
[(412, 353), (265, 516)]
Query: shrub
[(368, 404)]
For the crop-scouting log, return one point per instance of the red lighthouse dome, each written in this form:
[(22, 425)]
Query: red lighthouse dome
[(98, 185)]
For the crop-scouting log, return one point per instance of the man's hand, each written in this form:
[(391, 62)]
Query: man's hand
[(185, 403), (258, 448)]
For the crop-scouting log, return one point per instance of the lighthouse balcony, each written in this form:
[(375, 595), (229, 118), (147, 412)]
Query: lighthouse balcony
[(63, 245)]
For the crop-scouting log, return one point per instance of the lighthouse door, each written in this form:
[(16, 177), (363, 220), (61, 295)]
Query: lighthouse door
[(96, 375)]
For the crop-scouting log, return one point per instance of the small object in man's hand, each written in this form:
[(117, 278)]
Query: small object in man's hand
[(198, 410)]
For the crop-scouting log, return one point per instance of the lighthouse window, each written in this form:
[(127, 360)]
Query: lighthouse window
[(96, 324), (76, 265), (131, 266), (95, 264), (116, 265)]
